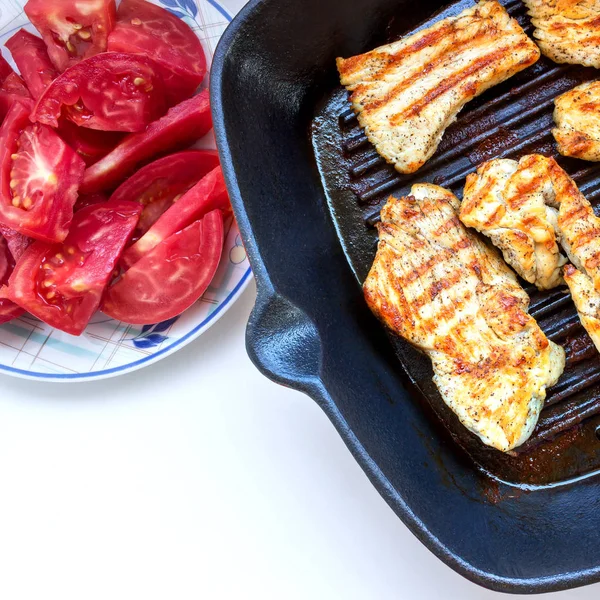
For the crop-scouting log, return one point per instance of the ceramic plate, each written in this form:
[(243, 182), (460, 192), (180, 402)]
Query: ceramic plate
[(32, 349)]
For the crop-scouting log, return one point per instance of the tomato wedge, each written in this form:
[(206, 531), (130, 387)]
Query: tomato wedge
[(171, 277), (17, 242), (62, 284), (8, 310), (157, 185), (39, 178), (12, 88), (30, 55), (72, 29), (111, 91), (208, 194), (144, 28), (90, 144), (182, 125)]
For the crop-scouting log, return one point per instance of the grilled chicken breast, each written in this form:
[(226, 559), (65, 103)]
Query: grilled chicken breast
[(506, 201), (567, 31), (578, 226), (577, 118), (407, 93), (587, 301), (444, 290)]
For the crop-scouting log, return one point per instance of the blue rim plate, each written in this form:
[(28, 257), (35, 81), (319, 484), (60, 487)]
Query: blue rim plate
[(32, 350)]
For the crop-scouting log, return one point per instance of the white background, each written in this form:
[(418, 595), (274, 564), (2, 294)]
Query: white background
[(197, 478)]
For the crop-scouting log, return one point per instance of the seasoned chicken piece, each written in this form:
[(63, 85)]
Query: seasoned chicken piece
[(567, 31), (448, 293), (587, 301), (407, 93), (578, 226), (506, 201), (577, 118)]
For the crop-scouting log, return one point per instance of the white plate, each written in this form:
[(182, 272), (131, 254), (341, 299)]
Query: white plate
[(32, 349)]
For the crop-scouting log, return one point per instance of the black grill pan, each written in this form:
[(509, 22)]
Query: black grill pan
[(307, 188)]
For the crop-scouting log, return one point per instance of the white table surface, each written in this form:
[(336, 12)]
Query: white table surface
[(197, 478)]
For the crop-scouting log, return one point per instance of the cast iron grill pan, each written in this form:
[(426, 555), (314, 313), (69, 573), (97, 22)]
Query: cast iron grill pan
[(508, 121)]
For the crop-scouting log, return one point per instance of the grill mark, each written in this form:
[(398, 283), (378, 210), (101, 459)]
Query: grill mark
[(439, 61), (453, 81)]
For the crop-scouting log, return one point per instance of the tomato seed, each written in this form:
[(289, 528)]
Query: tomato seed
[(48, 283), (71, 250), (136, 21), (50, 295), (77, 26), (70, 47), (84, 34), (16, 201), (139, 81), (14, 156), (27, 203)]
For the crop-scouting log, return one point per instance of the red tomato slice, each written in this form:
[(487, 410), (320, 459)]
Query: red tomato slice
[(207, 195), (171, 277), (90, 144), (111, 91), (144, 28), (72, 29), (39, 178), (88, 200), (157, 185), (12, 88), (29, 52), (17, 242), (8, 310), (62, 284), (181, 126)]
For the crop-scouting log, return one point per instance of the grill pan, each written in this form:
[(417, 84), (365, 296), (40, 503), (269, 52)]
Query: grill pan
[(307, 188)]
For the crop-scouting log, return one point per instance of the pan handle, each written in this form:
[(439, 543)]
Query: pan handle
[(283, 342)]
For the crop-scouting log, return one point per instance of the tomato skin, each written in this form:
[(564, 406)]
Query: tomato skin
[(144, 28), (8, 309), (207, 195), (62, 284), (72, 30), (34, 207), (30, 55), (171, 277), (110, 91), (156, 185), (90, 144), (182, 125), (12, 88)]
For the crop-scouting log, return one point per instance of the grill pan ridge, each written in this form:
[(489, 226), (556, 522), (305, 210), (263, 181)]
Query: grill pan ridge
[(525, 523), (508, 121)]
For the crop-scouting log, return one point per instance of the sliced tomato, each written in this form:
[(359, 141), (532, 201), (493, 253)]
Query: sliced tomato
[(12, 88), (208, 194), (157, 185), (62, 284), (86, 200), (30, 55), (181, 126), (39, 178), (8, 309), (171, 277), (72, 29), (90, 144), (17, 242), (144, 28), (111, 92)]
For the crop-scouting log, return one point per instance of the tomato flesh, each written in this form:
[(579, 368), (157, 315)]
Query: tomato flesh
[(72, 29), (171, 277), (144, 28), (39, 178), (8, 309), (110, 91), (207, 195), (182, 125), (90, 144), (62, 284), (17, 242), (30, 55), (158, 184)]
